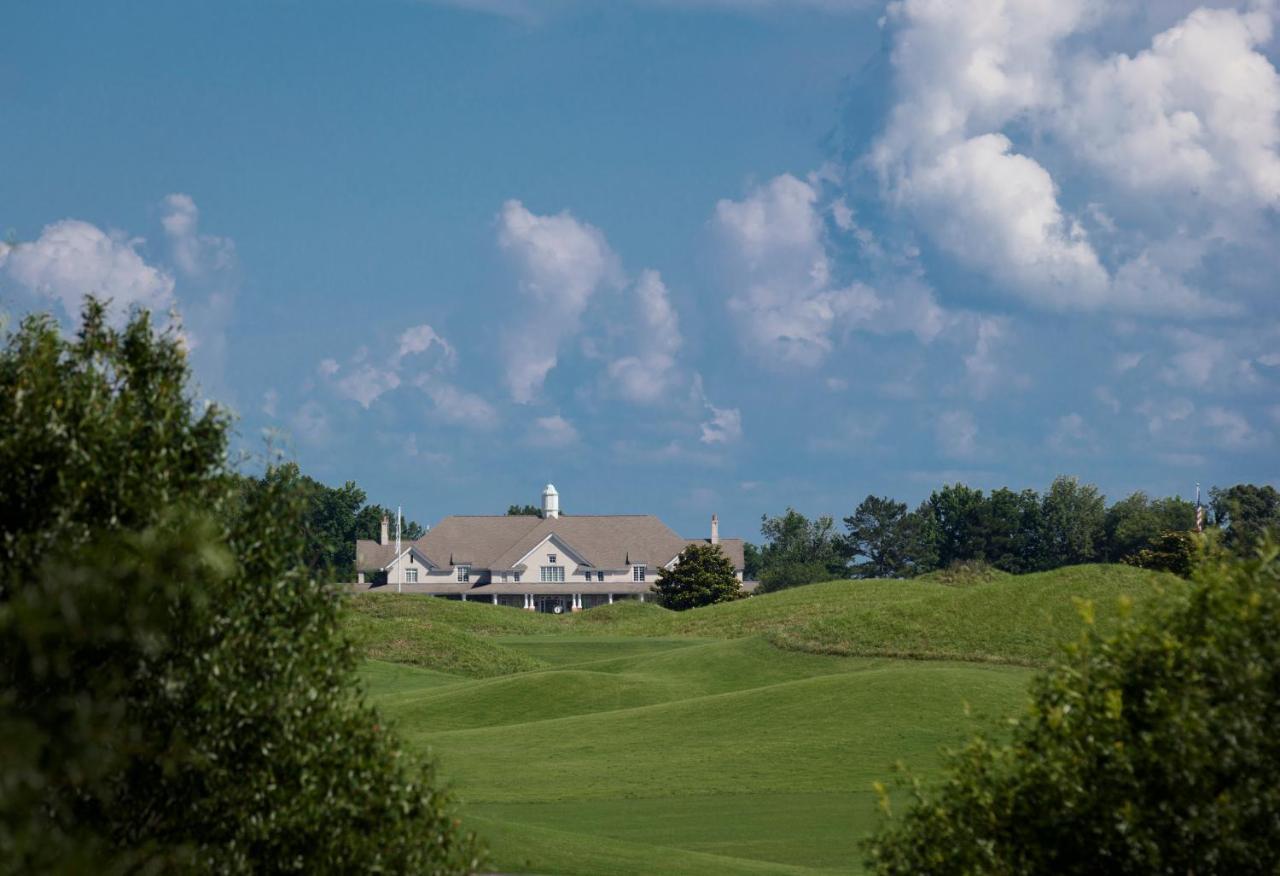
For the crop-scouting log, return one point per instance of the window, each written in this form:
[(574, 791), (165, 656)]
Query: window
[(411, 576), (464, 572), (637, 573), (551, 558), (552, 574), (504, 576), (599, 576), (517, 577)]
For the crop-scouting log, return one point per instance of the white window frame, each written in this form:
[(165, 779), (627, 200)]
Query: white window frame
[(552, 574), (638, 572), (517, 577), (411, 576), (464, 573), (551, 559)]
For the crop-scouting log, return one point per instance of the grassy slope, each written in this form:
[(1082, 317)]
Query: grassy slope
[(629, 739)]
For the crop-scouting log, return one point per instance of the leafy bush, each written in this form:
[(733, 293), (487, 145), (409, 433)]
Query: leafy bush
[(703, 576), (1170, 552), (1152, 750), (175, 693)]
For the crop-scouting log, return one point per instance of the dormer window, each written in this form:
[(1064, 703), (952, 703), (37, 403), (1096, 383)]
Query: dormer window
[(551, 558), (411, 576), (464, 573), (638, 572)]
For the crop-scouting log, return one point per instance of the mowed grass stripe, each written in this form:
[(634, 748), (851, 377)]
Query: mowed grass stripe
[(829, 733), (819, 830)]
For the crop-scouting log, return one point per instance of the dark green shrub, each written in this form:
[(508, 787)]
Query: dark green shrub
[(1169, 552), (703, 576), (1153, 750), (175, 692)]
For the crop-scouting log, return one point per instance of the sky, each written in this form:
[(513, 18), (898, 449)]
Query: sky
[(676, 256)]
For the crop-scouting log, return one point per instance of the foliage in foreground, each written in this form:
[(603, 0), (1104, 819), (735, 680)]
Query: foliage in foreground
[(702, 576), (1152, 750), (175, 690)]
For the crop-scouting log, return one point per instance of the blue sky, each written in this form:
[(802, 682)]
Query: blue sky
[(678, 257)]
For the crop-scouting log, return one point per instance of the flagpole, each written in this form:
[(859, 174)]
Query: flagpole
[(1199, 511), (399, 565)]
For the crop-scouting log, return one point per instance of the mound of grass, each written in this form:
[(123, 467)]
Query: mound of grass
[(412, 640), (965, 574)]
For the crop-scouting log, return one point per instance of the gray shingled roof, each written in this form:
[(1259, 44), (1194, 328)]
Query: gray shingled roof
[(609, 542)]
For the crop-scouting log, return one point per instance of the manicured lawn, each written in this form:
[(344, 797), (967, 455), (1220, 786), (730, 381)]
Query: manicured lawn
[(742, 738)]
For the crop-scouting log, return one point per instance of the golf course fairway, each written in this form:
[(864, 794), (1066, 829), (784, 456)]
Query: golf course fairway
[(737, 738)]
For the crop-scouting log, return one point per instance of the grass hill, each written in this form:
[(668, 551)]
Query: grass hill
[(739, 738)]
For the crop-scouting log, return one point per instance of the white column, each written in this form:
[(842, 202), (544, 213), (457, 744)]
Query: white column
[(464, 597), (495, 599), (611, 599), (642, 597)]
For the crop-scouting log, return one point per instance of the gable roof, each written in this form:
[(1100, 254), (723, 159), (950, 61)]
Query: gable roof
[(500, 542)]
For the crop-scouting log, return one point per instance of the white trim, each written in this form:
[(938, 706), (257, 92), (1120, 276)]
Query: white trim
[(560, 545), (411, 551)]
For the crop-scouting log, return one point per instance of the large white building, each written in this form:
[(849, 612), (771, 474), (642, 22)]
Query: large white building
[(550, 563)]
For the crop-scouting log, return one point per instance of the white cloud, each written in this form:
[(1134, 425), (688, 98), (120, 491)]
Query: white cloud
[(784, 297), (724, 425), (1104, 395), (560, 263), (420, 338), (270, 402), (956, 433), (457, 406), (1232, 429), (1160, 416), (980, 365), (1199, 111), (648, 375), (1127, 361), (194, 253), (366, 383), (553, 432), (72, 258), (1072, 436), (328, 367)]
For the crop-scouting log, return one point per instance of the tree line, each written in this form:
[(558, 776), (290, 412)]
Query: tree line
[(1015, 531)]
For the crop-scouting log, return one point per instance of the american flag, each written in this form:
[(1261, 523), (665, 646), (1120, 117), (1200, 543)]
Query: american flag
[(1199, 511)]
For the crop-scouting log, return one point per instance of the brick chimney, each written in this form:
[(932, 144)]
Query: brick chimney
[(715, 529), (386, 535)]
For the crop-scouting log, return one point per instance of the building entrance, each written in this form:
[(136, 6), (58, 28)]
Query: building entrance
[(553, 603)]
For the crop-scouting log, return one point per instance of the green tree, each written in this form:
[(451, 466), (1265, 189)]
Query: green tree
[(799, 551), (958, 524), (1073, 520), (1246, 513), (702, 576), (1011, 526), (524, 511), (175, 691), (1152, 750), (888, 536), (369, 524), (1136, 523), (750, 561)]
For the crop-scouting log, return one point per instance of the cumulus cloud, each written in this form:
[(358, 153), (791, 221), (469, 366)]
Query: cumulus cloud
[(784, 296), (457, 406), (553, 432), (724, 425), (1199, 111), (1231, 429), (560, 263), (980, 366), (194, 253), (1196, 113), (421, 338), (648, 375), (365, 383), (71, 259), (956, 434)]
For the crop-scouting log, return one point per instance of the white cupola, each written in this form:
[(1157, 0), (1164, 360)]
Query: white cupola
[(550, 502)]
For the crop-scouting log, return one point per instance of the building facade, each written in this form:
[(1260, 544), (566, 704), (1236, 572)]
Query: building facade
[(551, 563)]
